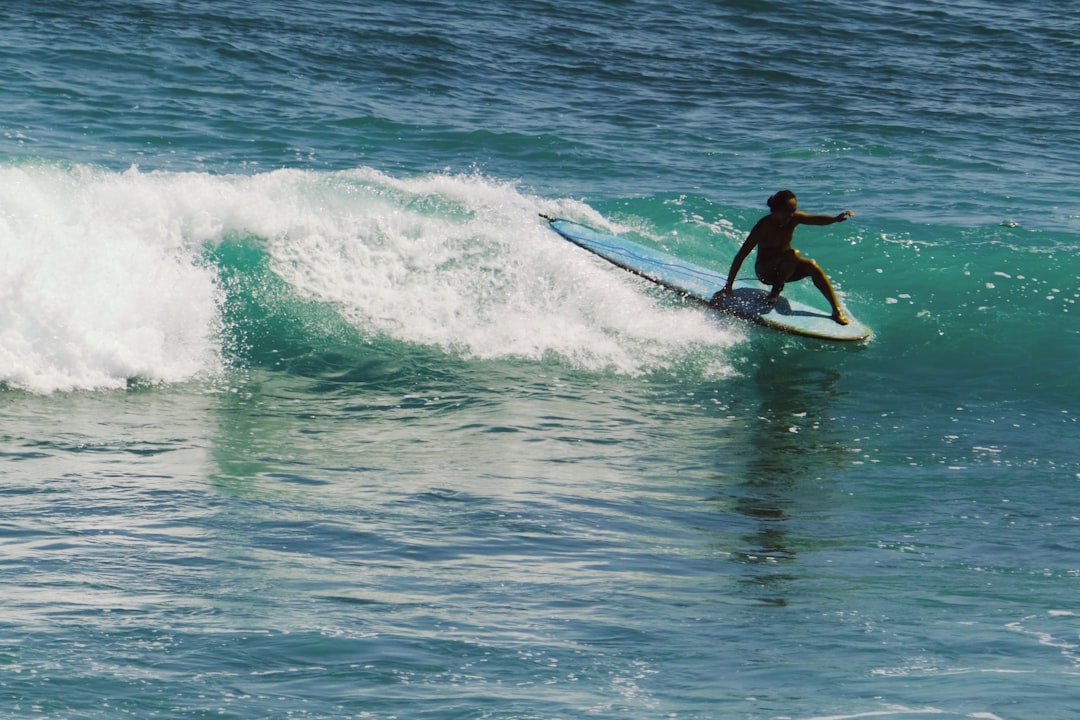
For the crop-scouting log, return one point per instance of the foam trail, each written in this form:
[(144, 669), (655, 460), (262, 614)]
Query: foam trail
[(463, 263)]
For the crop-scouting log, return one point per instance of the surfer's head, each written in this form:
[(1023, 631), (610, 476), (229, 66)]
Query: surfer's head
[(783, 202)]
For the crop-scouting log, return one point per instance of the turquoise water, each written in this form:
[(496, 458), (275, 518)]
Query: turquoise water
[(306, 414)]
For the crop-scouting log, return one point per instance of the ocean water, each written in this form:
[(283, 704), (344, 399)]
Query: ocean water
[(304, 412)]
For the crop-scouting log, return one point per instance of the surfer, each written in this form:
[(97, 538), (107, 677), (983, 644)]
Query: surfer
[(779, 263)]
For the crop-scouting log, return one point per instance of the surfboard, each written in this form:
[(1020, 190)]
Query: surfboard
[(748, 301)]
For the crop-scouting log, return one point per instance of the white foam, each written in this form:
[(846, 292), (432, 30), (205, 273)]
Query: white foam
[(98, 283), (101, 278)]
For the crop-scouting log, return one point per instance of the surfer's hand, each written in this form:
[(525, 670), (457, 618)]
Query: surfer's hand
[(844, 216), (720, 295)]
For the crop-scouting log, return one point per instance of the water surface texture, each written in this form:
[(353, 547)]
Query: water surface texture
[(305, 413)]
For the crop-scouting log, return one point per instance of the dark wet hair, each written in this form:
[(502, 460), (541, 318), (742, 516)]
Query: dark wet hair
[(780, 199)]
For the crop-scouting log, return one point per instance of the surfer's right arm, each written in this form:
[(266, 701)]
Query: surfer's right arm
[(747, 247)]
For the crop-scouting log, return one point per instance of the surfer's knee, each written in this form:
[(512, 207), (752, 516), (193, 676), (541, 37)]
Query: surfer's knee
[(809, 266), (813, 270)]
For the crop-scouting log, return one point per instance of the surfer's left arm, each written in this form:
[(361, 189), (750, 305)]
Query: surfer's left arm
[(808, 219)]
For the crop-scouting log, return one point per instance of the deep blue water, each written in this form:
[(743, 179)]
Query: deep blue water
[(305, 412)]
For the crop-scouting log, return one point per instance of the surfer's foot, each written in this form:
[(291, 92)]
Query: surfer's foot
[(840, 318), (771, 299)]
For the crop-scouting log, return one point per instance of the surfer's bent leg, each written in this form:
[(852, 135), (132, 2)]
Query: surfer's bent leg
[(821, 282)]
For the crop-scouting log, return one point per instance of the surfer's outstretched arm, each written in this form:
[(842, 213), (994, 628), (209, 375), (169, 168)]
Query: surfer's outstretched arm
[(802, 218)]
